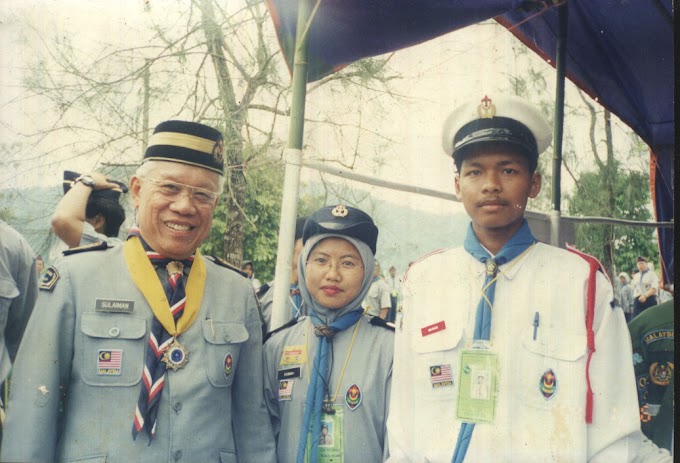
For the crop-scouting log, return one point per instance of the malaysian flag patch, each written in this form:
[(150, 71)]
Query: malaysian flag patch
[(286, 389), (440, 376), (109, 361)]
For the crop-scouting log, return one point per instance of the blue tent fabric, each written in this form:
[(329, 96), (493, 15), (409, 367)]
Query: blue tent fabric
[(620, 52)]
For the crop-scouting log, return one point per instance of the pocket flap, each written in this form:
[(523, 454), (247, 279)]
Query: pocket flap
[(113, 326), (555, 343), (445, 339), (216, 332)]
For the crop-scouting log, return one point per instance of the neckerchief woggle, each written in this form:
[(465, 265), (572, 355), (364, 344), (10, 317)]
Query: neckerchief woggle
[(317, 381), (173, 314), (515, 246)]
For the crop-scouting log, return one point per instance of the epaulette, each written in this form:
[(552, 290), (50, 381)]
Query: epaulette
[(98, 246), (377, 321), (290, 323), (223, 263), (263, 289)]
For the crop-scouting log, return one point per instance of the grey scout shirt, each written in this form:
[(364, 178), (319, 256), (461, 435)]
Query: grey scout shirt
[(207, 413), (369, 368)]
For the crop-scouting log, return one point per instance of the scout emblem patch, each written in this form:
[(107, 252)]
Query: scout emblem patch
[(49, 279), (286, 389), (661, 372), (548, 384), (109, 361), (440, 375), (228, 363), (175, 356), (353, 397)]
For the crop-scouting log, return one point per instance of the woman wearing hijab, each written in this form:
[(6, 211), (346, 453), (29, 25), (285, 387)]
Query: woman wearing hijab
[(331, 370)]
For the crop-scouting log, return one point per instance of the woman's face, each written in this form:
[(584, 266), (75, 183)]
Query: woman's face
[(334, 272)]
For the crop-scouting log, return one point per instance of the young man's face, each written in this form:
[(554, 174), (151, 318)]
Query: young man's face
[(494, 184)]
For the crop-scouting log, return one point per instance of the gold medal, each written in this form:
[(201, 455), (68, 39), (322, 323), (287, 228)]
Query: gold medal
[(175, 356)]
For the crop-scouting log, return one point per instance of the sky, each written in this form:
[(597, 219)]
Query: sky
[(435, 77)]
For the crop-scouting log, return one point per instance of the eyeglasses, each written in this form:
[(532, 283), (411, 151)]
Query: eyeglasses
[(173, 191), (344, 266)]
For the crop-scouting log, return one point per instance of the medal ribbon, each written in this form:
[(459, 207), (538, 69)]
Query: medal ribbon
[(517, 245), (318, 380), (173, 309)]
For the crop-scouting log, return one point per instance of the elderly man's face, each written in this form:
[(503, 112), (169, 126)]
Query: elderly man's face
[(173, 227)]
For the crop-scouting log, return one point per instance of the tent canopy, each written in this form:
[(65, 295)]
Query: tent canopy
[(619, 52)]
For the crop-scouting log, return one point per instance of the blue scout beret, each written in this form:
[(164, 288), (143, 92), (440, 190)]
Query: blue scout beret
[(188, 143), (342, 220), (112, 194)]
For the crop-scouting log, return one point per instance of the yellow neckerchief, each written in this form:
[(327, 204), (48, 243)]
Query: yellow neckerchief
[(344, 366), (146, 279)]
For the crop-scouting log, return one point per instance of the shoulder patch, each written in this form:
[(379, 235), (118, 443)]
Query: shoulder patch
[(223, 263), (377, 321), (100, 246), (280, 328), (49, 279)]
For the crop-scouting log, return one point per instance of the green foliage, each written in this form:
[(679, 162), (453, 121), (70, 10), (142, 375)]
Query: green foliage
[(631, 190)]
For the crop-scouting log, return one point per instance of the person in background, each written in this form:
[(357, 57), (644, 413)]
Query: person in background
[(644, 293), (653, 334), (514, 311), (90, 210), (294, 304), (39, 264), (18, 292), (394, 283), (146, 351), (247, 267), (377, 302), (626, 296), (332, 367)]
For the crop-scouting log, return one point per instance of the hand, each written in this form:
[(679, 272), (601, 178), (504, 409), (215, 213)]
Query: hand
[(642, 298), (101, 182)]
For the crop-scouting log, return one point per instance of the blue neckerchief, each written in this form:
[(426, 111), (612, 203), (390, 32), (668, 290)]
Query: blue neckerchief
[(515, 246), (296, 298), (317, 382)]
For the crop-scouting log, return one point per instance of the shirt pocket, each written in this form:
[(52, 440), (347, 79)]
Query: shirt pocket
[(436, 367), (552, 368), (223, 346), (113, 349)]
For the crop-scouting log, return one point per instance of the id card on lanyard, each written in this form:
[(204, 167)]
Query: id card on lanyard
[(477, 386)]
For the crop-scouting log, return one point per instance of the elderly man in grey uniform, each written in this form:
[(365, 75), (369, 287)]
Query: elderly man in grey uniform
[(332, 368), (18, 291), (152, 350)]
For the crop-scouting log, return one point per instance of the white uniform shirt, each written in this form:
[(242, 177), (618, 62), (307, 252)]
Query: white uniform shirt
[(445, 287)]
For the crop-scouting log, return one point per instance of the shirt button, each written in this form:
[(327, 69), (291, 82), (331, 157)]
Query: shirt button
[(177, 455), (177, 406), (114, 332)]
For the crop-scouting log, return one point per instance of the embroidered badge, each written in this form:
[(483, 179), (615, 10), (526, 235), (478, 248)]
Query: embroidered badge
[(658, 335), (429, 329), (440, 376), (661, 372), (339, 211), (353, 397), (49, 279), (109, 362), (286, 389), (548, 384), (293, 355), (228, 363), (486, 109)]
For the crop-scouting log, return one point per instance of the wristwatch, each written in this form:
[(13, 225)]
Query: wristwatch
[(86, 180)]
